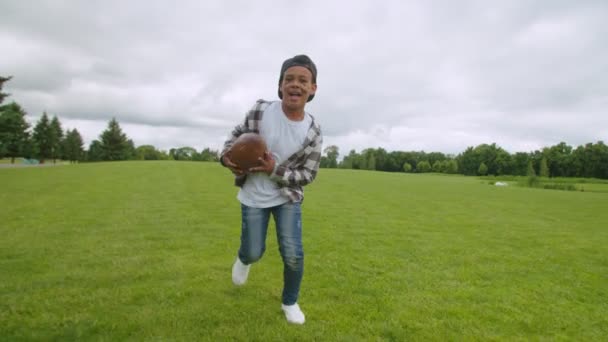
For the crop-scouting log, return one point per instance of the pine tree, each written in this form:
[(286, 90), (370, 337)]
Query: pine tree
[(530, 172), (56, 136), (13, 131), (43, 138), (95, 152), (114, 143), (544, 169), (2, 80), (532, 180), (73, 146)]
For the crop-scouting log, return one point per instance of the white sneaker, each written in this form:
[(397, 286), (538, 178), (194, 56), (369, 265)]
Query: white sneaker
[(240, 272), (293, 313)]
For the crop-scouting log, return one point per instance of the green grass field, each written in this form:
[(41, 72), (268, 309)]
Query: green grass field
[(143, 251)]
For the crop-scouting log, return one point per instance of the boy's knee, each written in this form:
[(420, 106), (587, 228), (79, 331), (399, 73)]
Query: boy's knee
[(293, 262), (251, 257)]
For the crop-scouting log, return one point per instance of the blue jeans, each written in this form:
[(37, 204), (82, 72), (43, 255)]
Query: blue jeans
[(288, 220)]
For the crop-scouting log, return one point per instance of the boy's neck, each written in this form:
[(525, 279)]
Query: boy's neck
[(293, 115)]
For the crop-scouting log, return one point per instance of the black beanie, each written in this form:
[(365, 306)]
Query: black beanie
[(299, 60)]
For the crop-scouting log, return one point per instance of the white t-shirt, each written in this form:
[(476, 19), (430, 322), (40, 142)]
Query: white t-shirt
[(283, 137)]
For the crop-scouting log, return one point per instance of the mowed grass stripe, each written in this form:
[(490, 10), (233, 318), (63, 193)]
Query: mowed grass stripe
[(143, 250)]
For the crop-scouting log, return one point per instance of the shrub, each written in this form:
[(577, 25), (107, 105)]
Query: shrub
[(533, 181), (530, 181), (556, 186)]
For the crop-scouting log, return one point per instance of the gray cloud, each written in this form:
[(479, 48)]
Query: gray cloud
[(417, 75)]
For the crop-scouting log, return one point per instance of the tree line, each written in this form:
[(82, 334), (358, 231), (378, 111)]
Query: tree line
[(48, 141), (588, 161)]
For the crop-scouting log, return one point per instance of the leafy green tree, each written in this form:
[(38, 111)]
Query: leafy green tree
[(559, 159), (146, 152), (391, 163), (210, 155), (434, 157), (413, 158), (591, 160), (531, 179), (530, 172), (149, 152), (197, 156), (114, 143), (544, 170), (519, 164), (536, 157), (324, 162), (502, 162), (164, 155), (368, 159), (495, 158), (349, 160), (444, 165), (56, 137), (184, 153), (332, 153), (43, 138), (73, 146), (423, 166), (13, 131), (407, 167), (437, 166), (601, 152), (381, 159), (483, 169), (577, 162), (599, 160), (360, 161), (452, 166), (469, 161), (371, 162)]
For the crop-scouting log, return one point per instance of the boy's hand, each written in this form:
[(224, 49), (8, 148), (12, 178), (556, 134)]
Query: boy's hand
[(267, 164), (232, 166)]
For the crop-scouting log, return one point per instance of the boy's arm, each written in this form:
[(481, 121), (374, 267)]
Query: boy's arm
[(251, 122), (236, 132), (304, 173)]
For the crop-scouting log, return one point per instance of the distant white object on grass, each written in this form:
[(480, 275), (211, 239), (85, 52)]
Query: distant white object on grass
[(501, 184)]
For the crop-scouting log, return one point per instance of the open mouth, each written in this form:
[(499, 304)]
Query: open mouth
[(294, 96)]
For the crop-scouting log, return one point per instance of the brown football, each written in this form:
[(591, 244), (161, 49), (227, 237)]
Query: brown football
[(246, 150)]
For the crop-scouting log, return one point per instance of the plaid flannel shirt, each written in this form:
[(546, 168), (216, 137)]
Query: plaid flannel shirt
[(298, 170)]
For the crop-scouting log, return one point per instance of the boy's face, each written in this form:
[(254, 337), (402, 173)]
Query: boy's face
[(297, 85)]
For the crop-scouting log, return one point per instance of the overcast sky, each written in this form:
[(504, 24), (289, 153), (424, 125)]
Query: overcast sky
[(437, 76)]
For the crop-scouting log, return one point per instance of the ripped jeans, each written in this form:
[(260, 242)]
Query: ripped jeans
[(288, 220)]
